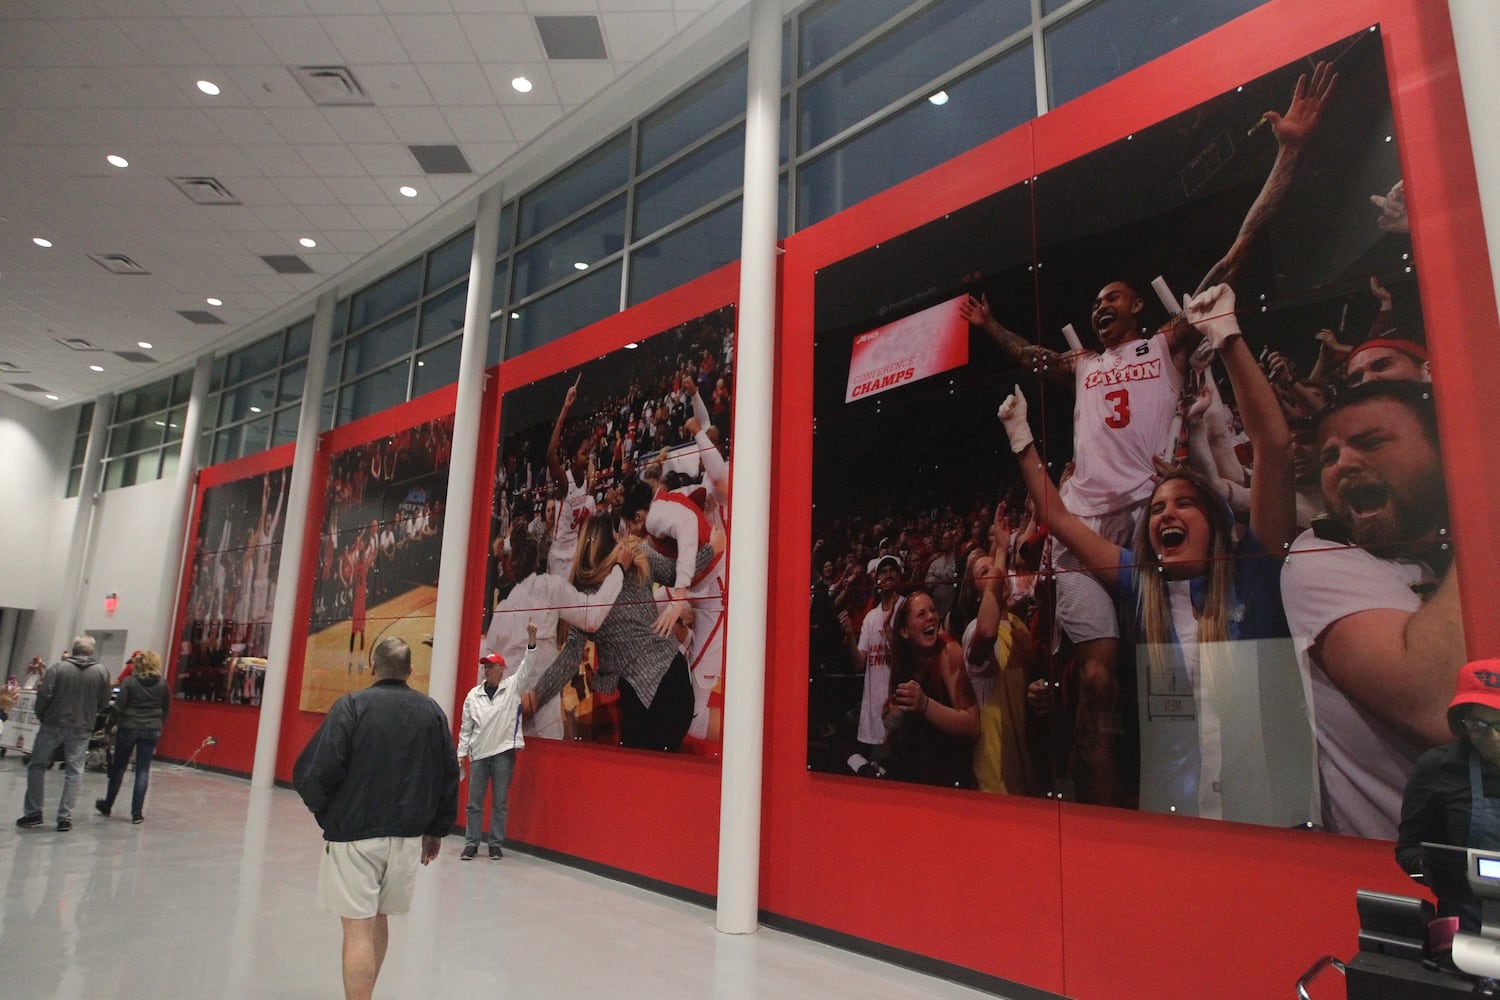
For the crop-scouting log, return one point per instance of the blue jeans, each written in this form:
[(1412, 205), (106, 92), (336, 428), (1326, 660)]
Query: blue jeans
[(75, 743), (143, 742), (496, 769)]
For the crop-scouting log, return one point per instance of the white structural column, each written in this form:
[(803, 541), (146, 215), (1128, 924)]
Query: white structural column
[(294, 532), (453, 572), (1476, 36), (750, 498), (66, 626), (182, 502)]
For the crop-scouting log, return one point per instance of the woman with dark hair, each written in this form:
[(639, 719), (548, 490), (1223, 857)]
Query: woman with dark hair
[(140, 711), (1212, 632), (930, 715), (1453, 796), (649, 669)]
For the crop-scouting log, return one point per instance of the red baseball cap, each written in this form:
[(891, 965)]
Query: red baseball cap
[(493, 660), (1478, 684)]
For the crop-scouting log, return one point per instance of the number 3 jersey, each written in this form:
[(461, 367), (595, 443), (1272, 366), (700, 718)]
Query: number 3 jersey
[(1126, 398)]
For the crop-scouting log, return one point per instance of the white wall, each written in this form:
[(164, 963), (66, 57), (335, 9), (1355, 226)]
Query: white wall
[(126, 557)]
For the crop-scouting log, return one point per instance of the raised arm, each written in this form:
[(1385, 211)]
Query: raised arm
[(1292, 131), (1100, 555), (554, 461), (1016, 348)]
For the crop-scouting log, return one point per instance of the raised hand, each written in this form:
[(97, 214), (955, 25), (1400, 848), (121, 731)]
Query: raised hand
[(1211, 312), (1309, 98), (1392, 207), (1012, 414)]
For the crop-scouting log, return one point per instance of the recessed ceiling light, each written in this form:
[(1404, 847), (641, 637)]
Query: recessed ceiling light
[(521, 85), (515, 315), (53, 396), (115, 159), (254, 409), (421, 364), (214, 302), (96, 368), (308, 242), (631, 347), (144, 345), (41, 242), (408, 191), (939, 99), (579, 265), (208, 87)]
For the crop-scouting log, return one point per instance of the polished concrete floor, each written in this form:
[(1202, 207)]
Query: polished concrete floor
[(215, 896)]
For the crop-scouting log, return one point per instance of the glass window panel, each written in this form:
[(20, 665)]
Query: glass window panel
[(707, 104), (285, 428), (450, 261), (924, 47), (685, 254), (1115, 36), (85, 418), (593, 176), (182, 386), (340, 320), (170, 460), (227, 443), (248, 400), (496, 342), (80, 446), (568, 309), (205, 450), (257, 359), (690, 183), (328, 410), (292, 381), (256, 433), (114, 472), (988, 102), (153, 398), (397, 289), (830, 27), (216, 374), (443, 314), (298, 340), (437, 367), (500, 293), (174, 419), (374, 393), (119, 441), (507, 228), (590, 239), (75, 482), (1048, 6), (380, 346)]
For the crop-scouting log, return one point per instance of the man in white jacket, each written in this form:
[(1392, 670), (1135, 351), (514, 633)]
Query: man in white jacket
[(488, 739)]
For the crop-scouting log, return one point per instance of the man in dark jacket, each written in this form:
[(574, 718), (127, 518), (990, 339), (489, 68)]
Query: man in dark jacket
[(74, 691), (381, 777)]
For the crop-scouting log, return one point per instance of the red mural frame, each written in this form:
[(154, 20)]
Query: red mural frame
[(1087, 901)]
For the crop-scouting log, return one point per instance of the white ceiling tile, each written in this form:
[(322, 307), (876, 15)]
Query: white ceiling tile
[(189, 125), (170, 42), (350, 241), (236, 218), (40, 43), (576, 82), (457, 84), (359, 125), (231, 41), (394, 86), (382, 160), (481, 124), (485, 156), (377, 217), (432, 38), (201, 8), (141, 87), (271, 8), (526, 123), (356, 192), (104, 42), (267, 86), (501, 38), (634, 35), (505, 95), (418, 126), (302, 125), (296, 41), (251, 190), (488, 6), (243, 126), (330, 160), (325, 7), (288, 223), (364, 39), (305, 192)]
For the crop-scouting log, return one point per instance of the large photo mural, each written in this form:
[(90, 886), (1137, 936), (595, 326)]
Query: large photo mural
[(1127, 484), (236, 554), (609, 524), (377, 564)]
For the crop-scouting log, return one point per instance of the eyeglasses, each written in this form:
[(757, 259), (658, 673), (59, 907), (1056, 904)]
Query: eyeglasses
[(1479, 727)]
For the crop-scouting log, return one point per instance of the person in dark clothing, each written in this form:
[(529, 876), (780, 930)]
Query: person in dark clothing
[(1453, 796), (140, 712), (74, 691), (381, 777)]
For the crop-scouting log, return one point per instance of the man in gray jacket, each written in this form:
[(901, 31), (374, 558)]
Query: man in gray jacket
[(74, 691)]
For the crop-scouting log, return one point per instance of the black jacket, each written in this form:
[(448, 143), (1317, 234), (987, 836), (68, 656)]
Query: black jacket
[(382, 764)]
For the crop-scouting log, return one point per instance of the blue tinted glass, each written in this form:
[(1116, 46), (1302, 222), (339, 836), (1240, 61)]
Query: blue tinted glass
[(828, 28), (568, 309), (450, 261), (380, 391), (585, 182), (1115, 36), (257, 359), (692, 251), (285, 430), (919, 50), (298, 340), (248, 401), (709, 103), (292, 380), (437, 368), (690, 183), (443, 314), (985, 104), (500, 293), (397, 289), (590, 239), (383, 344)]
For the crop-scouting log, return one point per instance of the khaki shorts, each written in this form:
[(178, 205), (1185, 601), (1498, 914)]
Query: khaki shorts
[(360, 878)]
